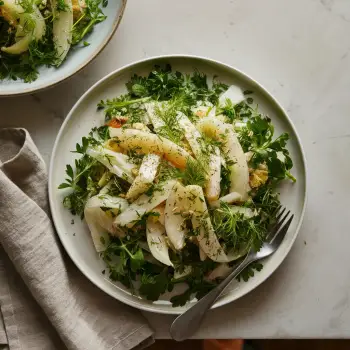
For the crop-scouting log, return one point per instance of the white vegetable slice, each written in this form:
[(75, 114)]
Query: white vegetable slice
[(174, 221), (150, 143), (221, 271), (156, 242), (229, 198), (200, 220), (151, 108), (145, 177), (160, 209), (247, 212), (234, 94), (100, 222), (25, 33), (142, 205), (62, 29), (192, 135), (212, 188), (116, 163), (239, 177)]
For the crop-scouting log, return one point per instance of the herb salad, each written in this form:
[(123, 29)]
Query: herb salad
[(34, 33), (179, 183)]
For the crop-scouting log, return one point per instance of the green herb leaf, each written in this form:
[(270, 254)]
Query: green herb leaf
[(152, 286), (92, 15)]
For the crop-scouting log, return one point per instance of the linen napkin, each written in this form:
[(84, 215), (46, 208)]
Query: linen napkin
[(45, 302)]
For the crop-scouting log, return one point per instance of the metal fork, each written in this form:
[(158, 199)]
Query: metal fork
[(188, 322)]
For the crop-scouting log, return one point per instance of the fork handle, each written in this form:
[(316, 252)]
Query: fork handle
[(188, 322)]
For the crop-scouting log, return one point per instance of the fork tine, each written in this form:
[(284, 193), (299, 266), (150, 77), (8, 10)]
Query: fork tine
[(281, 221), (277, 225), (277, 209), (280, 214), (282, 232)]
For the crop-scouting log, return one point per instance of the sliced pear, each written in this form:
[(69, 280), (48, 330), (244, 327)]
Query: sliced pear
[(229, 198), (62, 29), (143, 204), (145, 142), (30, 26), (100, 222), (152, 114), (223, 132), (175, 205), (212, 188), (116, 163), (207, 238), (192, 135), (145, 177), (156, 242)]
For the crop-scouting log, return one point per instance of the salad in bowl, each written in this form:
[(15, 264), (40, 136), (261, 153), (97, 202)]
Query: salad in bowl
[(178, 184), (36, 33)]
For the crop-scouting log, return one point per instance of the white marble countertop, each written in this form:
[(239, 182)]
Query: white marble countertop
[(300, 51)]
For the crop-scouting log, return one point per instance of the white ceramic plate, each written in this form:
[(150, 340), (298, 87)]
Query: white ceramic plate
[(77, 58), (84, 115)]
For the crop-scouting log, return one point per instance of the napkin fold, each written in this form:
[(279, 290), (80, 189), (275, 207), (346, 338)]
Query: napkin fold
[(45, 302)]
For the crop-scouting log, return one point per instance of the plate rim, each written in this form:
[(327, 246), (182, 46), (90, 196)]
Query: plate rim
[(90, 59), (219, 303)]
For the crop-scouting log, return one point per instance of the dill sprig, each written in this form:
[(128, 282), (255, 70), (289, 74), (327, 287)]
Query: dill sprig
[(237, 231)]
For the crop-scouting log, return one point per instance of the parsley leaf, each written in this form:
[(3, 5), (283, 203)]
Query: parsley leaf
[(248, 272), (152, 286), (92, 15), (257, 138)]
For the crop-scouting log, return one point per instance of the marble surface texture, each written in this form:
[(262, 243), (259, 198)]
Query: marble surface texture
[(300, 51)]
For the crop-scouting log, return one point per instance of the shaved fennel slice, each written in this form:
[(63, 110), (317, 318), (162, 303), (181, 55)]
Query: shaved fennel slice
[(192, 135), (150, 143), (218, 130), (143, 204), (229, 198), (152, 114), (62, 29), (234, 94), (247, 212), (156, 242), (212, 188), (221, 271), (23, 36), (201, 221), (145, 177), (100, 222), (116, 163), (174, 222)]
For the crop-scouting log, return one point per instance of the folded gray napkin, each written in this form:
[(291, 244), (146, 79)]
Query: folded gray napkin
[(45, 302)]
